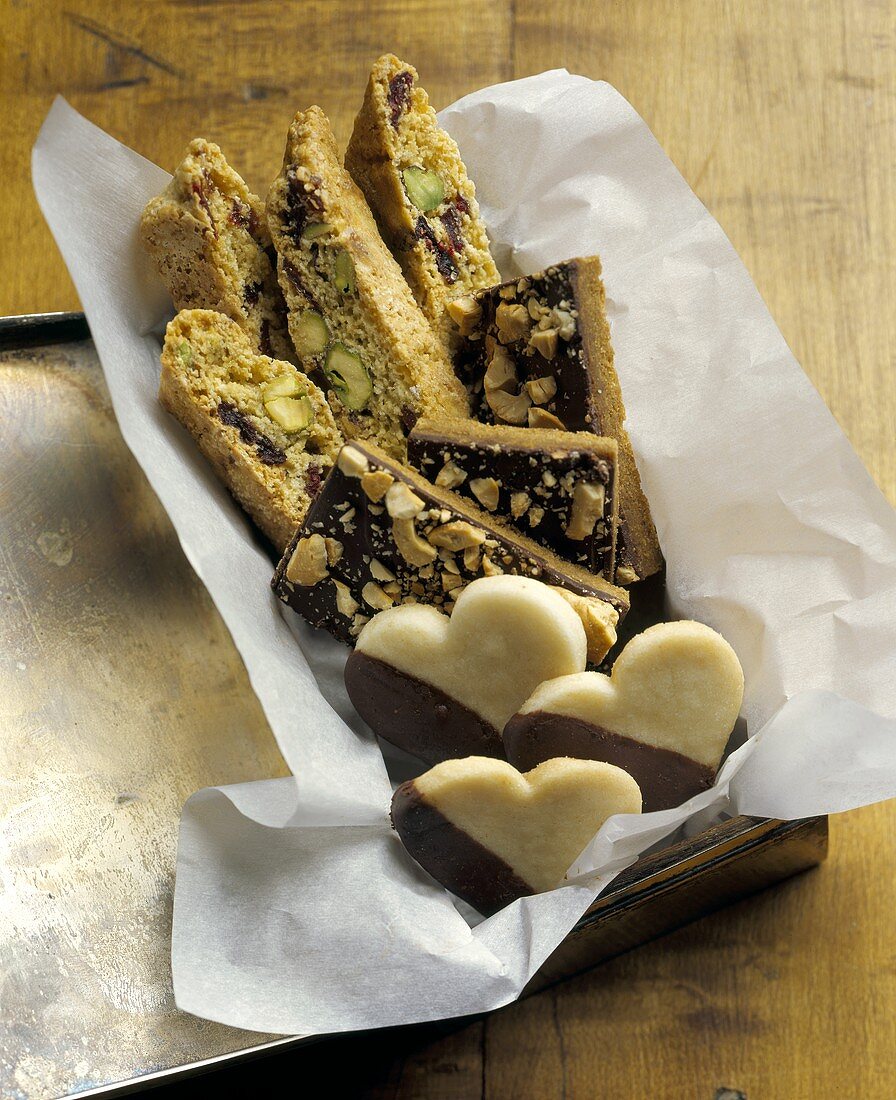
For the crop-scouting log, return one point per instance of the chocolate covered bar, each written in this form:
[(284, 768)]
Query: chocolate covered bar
[(378, 534), (559, 488), (537, 354)]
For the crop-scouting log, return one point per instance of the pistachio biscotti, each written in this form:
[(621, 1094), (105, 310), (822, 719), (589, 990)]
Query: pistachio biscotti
[(412, 175), (352, 317), (208, 236), (264, 426)]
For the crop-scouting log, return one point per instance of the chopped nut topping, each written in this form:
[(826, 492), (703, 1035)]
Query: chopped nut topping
[(544, 340), (358, 624), (379, 572), (501, 371), (451, 566), (376, 484), (541, 418), (565, 322), (414, 550), (472, 558), (541, 390), (599, 619), (308, 563), (465, 312), (486, 490), (508, 293), (451, 580), (351, 462), (491, 568), (513, 322), (401, 503), (588, 501), (458, 535), (536, 515), (346, 604), (536, 309), (625, 575), (509, 407), (455, 592), (450, 475), (334, 550), (519, 502), (372, 594)]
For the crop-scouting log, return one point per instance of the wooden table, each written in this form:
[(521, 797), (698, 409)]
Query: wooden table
[(782, 116)]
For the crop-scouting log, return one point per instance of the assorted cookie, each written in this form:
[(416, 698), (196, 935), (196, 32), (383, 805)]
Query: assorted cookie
[(418, 189), (664, 714), (379, 534), (441, 461), (537, 354), (208, 236), (490, 834), (559, 488), (441, 687), (266, 429), (352, 317)]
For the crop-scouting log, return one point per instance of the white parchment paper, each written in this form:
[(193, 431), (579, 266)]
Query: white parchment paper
[(296, 909)]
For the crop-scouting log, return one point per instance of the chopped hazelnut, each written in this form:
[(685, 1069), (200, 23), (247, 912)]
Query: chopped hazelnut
[(486, 490), (542, 390), (351, 462), (491, 568), (472, 558), (308, 563), (372, 594), (588, 501), (465, 312), (501, 371), (401, 503), (544, 340), (458, 535), (450, 475), (346, 604), (541, 418), (512, 408), (599, 619), (414, 550), (334, 550), (513, 322), (450, 581), (358, 624), (536, 515), (379, 572), (376, 484), (519, 502), (625, 575)]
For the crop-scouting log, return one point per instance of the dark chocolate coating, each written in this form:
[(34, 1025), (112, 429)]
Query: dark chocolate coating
[(547, 476), (461, 864), (416, 716), (342, 511), (666, 778)]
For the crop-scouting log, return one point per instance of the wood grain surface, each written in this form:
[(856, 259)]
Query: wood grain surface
[(782, 116)]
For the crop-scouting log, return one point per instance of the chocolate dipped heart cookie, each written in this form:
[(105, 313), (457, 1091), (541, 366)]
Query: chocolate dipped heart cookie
[(443, 687), (490, 834), (664, 714)]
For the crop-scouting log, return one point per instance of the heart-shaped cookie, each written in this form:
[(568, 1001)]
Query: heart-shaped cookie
[(664, 714), (443, 687), (490, 834)]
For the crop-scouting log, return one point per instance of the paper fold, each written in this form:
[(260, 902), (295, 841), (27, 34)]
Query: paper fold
[(296, 909)]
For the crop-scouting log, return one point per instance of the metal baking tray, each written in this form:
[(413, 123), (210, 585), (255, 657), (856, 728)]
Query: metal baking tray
[(121, 693)]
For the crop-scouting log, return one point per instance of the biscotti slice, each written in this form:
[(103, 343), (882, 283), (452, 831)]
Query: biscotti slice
[(418, 189), (403, 540), (352, 316), (208, 236), (537, 353), (559, 488), (264, 426)]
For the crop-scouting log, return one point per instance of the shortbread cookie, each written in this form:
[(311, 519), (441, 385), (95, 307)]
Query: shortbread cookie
[(491, 835), (403, 540), (209, 238), (559, 488), (441, 687), (352, 316), (538, 354), (418, 189), (664, 715), (264, 426)]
